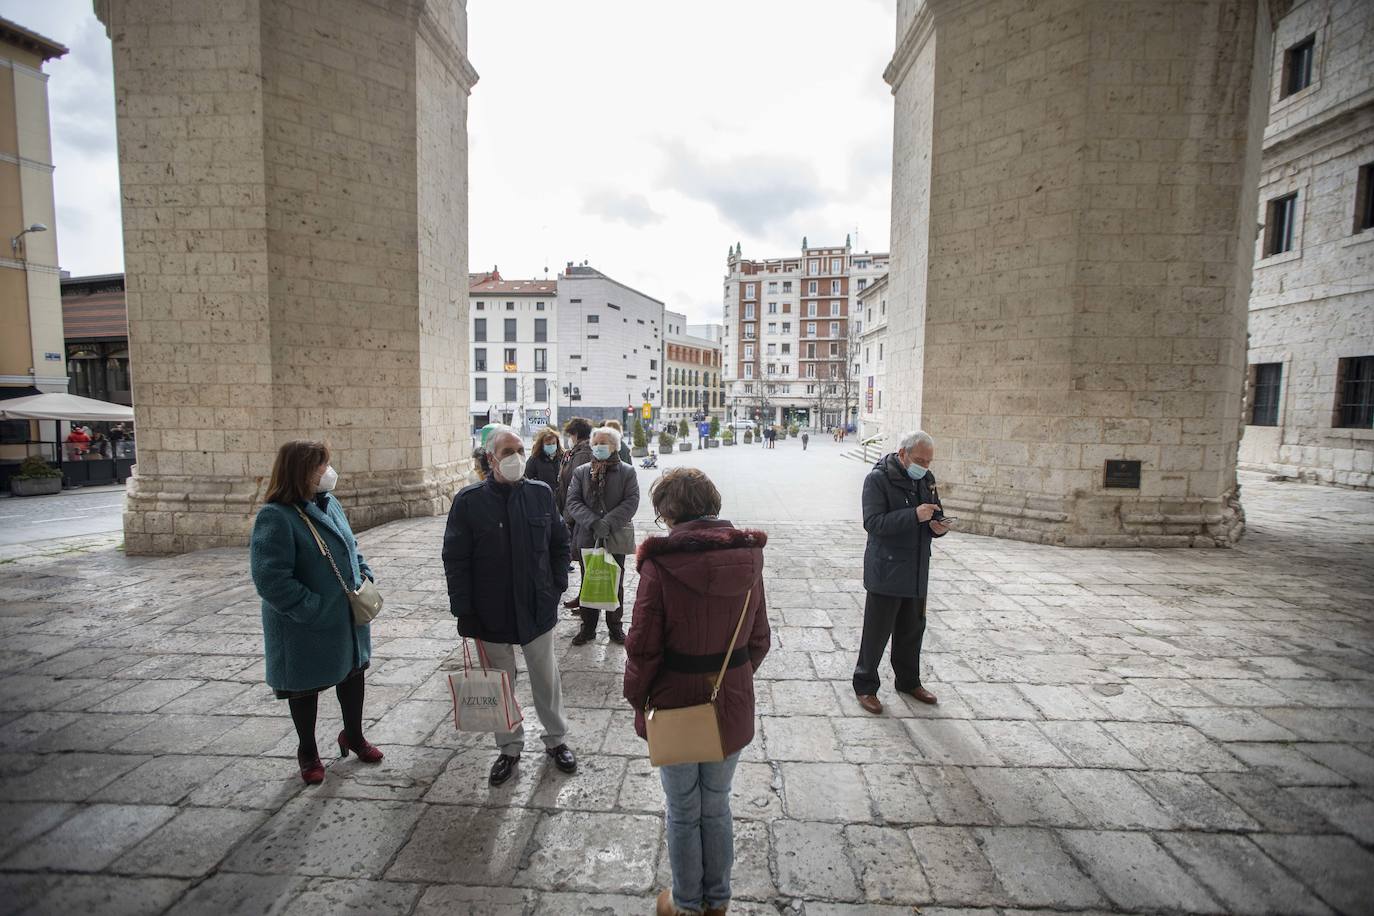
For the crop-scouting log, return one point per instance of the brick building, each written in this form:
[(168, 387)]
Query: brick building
[(1310, 389), (692, 382), (788, 347)]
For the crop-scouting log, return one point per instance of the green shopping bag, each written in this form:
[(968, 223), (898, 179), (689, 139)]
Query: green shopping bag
[(600, 579)]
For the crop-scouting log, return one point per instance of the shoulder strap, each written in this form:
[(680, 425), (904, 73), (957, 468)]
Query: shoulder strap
[(324, 551), (725, 663)]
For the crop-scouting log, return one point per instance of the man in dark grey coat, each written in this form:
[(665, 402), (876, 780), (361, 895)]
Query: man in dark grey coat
[(902, 513)]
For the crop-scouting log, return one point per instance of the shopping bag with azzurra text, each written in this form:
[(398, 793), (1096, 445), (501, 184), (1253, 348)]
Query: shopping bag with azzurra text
[(483, 700)]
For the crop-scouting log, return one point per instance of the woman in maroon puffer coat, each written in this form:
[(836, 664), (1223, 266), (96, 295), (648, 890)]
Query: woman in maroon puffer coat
[(692, 588)]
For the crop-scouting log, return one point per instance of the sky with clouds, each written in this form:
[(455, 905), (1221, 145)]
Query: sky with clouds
[(645, 138)]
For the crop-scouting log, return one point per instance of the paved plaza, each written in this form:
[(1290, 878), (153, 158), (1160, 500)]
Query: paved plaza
[(1118, 731)]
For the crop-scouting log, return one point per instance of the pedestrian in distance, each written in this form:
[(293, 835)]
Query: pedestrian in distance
[(506, 561), (699, 587), (806, 437), (310, 638), (902, 513), (624, 450), (602, 501), (546, 458)]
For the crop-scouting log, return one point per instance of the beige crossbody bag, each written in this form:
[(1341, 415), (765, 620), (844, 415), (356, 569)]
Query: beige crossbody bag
[(366, 602), (691, 734)]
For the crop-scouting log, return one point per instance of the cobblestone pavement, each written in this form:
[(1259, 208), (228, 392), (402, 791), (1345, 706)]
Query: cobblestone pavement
[(1118, 731)]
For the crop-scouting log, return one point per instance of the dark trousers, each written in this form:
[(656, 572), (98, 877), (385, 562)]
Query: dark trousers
[(903, 620), (590, 615)]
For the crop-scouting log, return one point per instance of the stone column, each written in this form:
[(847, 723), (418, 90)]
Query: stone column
[(294, 180), (1074, 189)]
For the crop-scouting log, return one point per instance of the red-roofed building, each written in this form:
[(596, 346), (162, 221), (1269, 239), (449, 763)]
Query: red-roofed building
[(514, 355)]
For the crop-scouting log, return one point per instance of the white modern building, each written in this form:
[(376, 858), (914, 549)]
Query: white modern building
[(1310, 397), (871, 307), (514, 359), (611, 355), (788, 336)]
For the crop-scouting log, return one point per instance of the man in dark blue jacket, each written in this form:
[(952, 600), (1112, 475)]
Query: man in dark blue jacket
[(901, 508), (506, 561)]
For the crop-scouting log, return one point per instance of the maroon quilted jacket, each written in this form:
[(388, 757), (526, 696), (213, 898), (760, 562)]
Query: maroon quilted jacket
[(692, 585)]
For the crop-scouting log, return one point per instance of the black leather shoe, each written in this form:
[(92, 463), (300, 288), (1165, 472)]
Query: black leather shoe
[(502, 769), (563, 758), (617, 634), (583, 637)]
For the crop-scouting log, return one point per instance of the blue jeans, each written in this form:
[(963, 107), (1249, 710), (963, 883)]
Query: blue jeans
[(701, 838)]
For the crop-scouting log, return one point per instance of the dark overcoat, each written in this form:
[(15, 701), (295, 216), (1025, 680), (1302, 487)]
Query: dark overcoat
[(897, 557)]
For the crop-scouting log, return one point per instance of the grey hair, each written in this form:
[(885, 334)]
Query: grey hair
[(500, 429), (607, 431), (914, 438)]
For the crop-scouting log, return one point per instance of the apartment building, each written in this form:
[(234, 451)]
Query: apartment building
[(514, 358)]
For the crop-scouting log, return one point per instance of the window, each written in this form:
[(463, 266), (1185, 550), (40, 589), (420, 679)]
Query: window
[(479, 390), (481, 306), (772, 369), (749, 332), (772, 327), (512, 392), (1297, 66), (772, 286), (748, 351), (510, 329), (748, 370), (811, 329), (748, 290), (811, 287), (810, 370), (786, 370), (810, 310), (810, 351), (1278, 232), (1364, 199), (786, 348), (653, 364), (479, 329), (787, 286), (787, 308), (867, 355), (1264, 411), (510, 362), (834, 350), (541, 390), (834, 287), (834, 329), (541, 330), (787, 327), (479, 359), (810, 389), (835, 265), (863, 284), (541, 360), (772, 308), (749, 310), (880, 352), (880, 400), (510, 306), (593, 319), (834, 309), (772, 349), (539, 306), (813, 267), (612, 305), (1355, 393)]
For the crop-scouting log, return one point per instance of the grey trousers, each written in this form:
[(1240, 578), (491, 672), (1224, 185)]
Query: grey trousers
[(546, 684)]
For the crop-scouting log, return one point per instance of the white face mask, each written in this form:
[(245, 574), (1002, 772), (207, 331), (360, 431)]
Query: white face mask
[(329, 480), (511, 467)]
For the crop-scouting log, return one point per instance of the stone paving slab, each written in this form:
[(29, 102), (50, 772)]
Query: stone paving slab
[(1118, 731)]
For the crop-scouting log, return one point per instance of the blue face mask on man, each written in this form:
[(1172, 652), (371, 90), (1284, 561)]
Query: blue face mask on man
[(601, 452), (550, 449), (915, 471)]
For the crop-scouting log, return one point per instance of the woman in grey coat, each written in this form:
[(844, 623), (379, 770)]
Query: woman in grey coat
[(602, 498)]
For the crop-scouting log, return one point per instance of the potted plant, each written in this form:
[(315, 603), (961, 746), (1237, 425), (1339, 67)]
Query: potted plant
[(728, 437), (715, 427), (665, 443), (682, 429), (36, 478), (793, 430), (748, 437), (641, 446)]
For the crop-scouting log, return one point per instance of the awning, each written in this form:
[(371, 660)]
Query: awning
[(64, 407)]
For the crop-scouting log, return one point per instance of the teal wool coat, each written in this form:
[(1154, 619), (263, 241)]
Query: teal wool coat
[(307, 625)]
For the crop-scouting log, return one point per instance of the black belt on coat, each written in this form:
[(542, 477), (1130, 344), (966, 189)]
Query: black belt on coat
[(702, 664)]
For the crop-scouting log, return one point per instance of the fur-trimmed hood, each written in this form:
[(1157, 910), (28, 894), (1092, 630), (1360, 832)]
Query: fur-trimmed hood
[(711, 557)]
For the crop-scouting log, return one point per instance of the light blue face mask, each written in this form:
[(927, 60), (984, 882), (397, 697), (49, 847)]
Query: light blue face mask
[(601, 452), (550, 449), (915, 471)]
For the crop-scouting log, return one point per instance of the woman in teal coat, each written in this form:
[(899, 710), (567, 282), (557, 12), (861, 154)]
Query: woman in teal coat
[(308, 632)]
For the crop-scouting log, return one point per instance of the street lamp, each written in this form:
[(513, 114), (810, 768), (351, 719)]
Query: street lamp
[(14, 242)]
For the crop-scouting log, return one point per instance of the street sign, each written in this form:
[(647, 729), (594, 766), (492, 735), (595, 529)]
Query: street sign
[(648, 410)]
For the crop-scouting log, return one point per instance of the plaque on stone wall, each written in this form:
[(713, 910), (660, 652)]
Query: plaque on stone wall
[(1122, 475)]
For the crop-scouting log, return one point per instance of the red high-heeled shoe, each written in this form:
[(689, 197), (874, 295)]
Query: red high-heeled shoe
[(367, 752), (312, 770)]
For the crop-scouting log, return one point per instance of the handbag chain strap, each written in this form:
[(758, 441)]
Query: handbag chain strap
[(319, 542), (725, 662)]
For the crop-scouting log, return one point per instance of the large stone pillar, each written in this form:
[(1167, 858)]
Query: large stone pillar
[(1074, 187), (294, 180)]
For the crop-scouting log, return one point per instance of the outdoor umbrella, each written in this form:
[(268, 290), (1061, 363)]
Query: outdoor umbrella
[(64, 407)]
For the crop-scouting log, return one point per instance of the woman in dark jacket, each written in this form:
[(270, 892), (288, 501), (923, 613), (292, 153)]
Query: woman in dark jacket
[(692, 589), (311, 641), (546, 458), (602, 502)]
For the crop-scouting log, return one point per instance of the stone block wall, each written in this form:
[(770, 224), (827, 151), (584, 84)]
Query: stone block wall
[(1092, 172), (285, 279)]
